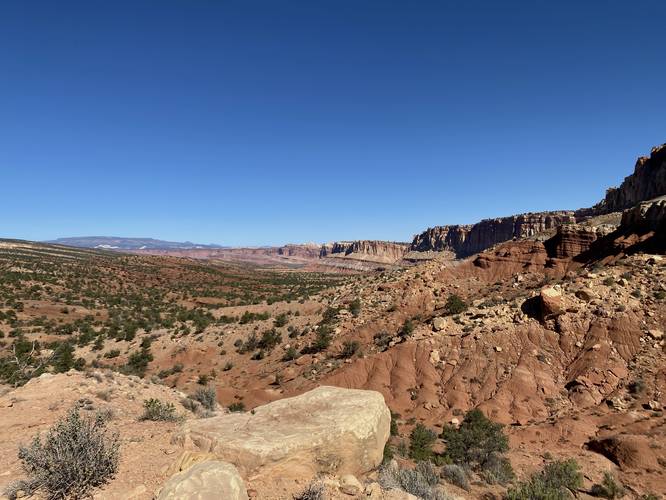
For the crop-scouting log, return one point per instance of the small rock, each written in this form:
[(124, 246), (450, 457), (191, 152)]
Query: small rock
[(439, 323), (656, 334), (349, 485)]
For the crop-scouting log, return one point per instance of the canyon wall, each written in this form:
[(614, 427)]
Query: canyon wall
[(386, 252), (648, 181), (465, 240)]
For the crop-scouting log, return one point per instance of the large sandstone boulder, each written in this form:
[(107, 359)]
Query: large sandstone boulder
[(210, 480), (326, 430), (552, 303)]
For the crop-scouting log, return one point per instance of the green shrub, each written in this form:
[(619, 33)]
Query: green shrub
[(157, 411), (609, 488), (290, 354), (455, 305), (280, 320), (355, 307), (475, 441), (237, 407), (557, 481), (349, 349), (407, 328), (421, 440), (77, 455)]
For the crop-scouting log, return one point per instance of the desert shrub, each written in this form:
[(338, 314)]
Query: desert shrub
[(382, 340), (406, 329), (137, 363), (77, 454), (497, 470), (206, 396), (456, 475), (349, 348), (290, 354), (322, 340), (556, 481), (313, 491), (237, 407), (421, 440), (280, 320), (609, 281), (269, 339), (157, 410), (476, 441), (355, 307), (455, 305), (609, 488), (421, 481)]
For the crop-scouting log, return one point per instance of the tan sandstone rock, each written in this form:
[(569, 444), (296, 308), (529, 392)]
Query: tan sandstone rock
[(210, 480), (326, 430)]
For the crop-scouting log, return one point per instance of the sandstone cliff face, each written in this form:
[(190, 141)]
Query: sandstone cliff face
[(646, 216), (465, 240), (366, 250), (648, 181), (572, 240)]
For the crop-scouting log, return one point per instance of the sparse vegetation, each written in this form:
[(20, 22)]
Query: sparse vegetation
[(350, 348), (422, 481), (77, 455), (609, 488), (421, 441), (157, 411), (455, 305), (557, 481), (479, 444), (313, 491), (207, 397), (456, 475), (237, 407)]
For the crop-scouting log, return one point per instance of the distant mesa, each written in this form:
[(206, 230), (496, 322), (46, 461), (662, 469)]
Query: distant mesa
[(120, 243)]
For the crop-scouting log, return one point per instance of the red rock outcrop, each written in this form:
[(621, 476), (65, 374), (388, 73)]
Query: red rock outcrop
[(648, 181), (574, 239), (367, 250), (470, 239)]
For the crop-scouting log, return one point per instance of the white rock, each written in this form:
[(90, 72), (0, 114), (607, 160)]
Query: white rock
[(656, 334), (349, 485), (326, 430), (205, 481)]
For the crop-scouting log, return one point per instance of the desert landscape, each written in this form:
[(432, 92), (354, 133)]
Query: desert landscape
[(520, 357), (348, 250)]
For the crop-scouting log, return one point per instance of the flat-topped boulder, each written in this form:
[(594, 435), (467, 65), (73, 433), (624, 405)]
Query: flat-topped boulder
[(326, 430)]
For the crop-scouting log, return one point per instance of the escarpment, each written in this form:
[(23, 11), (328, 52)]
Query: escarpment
[(466, 240), (647, 182), (368, 250)]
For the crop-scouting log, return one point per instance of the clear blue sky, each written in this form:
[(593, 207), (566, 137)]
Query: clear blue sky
[(264, 122)]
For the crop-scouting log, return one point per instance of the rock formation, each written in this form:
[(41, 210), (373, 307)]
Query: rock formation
[(369, 250), (465, 240), (324, 430), (648, 181), (210, 480), (572, 240)]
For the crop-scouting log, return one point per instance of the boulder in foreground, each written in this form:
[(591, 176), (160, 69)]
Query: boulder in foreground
[(326, 430), (210, 480)]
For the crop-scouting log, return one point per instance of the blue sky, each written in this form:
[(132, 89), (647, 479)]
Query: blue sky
[(265, 122)]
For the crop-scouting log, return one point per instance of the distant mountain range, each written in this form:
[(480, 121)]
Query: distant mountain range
[(119, 243)]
